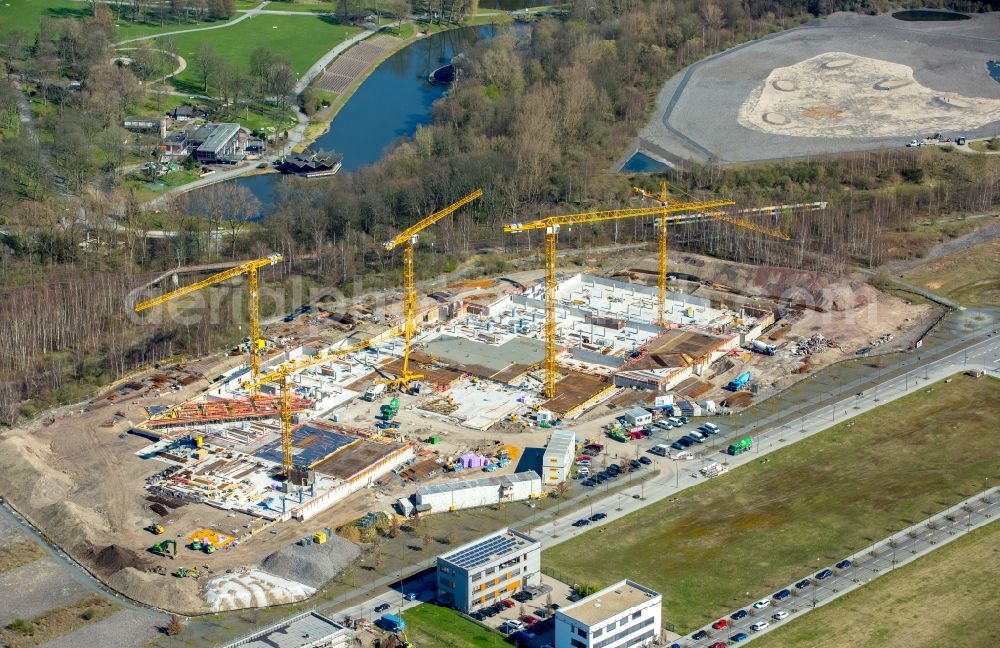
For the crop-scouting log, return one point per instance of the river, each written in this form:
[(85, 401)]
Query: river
[(389, 105)]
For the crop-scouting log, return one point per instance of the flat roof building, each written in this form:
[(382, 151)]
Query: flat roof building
[(487, 570), (622, 615), (309, 630), (638, 416), (486, 491), (558, 457)]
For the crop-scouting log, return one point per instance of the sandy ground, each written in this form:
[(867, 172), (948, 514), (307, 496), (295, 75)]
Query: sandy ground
[(697, 110), (85, 484), (837, 94)]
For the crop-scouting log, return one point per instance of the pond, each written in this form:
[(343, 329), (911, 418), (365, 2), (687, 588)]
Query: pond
[(642, 163), (928, 15), (390, 104)]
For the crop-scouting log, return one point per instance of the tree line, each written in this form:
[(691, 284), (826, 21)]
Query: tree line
[(535, 119)]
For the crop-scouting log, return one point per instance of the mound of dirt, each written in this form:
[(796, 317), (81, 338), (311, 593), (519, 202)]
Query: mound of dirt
[(113, 558), (25, 466), (313, 564), (167, 592), (823, 292)]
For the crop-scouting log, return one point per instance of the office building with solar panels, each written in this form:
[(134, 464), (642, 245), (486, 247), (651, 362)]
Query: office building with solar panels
[(488, 570)]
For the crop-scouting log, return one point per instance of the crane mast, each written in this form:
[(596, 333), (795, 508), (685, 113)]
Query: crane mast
[(248, 268), (283, 376), (408, 239)]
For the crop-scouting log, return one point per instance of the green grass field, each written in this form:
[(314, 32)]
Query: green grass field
[(27, 14), (303, 39), (430, 626), (969, 277), (947, 598), (765, 524), (128, 30), (314, 7)]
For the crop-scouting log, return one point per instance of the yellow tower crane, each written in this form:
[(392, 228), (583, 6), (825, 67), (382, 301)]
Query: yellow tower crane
[(663, 199), (283, 375), (250, 269), (551, 225), (408, 238)]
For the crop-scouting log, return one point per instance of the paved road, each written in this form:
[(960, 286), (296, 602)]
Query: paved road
[(864, 566), (676, 476)]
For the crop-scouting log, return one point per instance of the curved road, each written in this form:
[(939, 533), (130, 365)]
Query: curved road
[(249, 13)]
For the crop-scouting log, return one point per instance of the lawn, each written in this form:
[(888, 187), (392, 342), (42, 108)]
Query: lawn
[(431, 626), (315, 7), (149, 189), (741, 536), (129, 30), (28, 14), (19, 553), (942, 599), (303, 39), (969, 277), (257, 117), (22, 633)]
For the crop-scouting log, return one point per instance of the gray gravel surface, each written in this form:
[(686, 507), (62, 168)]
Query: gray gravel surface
[(126, 629), (314, 564), (31, 589), (697, 109)]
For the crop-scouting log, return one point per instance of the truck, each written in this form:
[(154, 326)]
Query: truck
[(739, 381), (713, 469), (392, 623), (388, 411), (740, 446), (374, 392), (761, 347), (618, 435)]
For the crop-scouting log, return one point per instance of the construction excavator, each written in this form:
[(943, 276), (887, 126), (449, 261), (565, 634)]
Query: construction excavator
[(160, 548)]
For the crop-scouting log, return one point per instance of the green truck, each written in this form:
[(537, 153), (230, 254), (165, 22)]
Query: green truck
[(740, 446)]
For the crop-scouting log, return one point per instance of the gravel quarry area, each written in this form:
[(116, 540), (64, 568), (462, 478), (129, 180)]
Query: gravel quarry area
[(313, 564), (699, 110)]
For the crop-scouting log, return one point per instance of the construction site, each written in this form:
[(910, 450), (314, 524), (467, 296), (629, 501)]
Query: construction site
[(229, 466)]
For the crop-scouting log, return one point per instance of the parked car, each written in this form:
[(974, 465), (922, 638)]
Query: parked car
[(634, 464), (697, 436), (382, 607), (823, 575), (739, 636), (508, 603), (779, 615), (761, 604), (583, 462), (701, 634), (411, 596), (614, 468), (489, 611), (686, 442), (782, 595), (522, 636), (523, 596), (645, 460), (590, 482), (721, 624), (843, 564), (760, 625), (677, 445), (802, 584), (598, 516), (718, 644), (528, 619), (582, 522), (478, 615), (739, 614)]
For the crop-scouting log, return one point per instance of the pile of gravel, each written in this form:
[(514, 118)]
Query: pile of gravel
[(314, 564)]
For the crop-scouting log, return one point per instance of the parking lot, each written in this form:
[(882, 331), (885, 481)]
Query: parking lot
[(527, 617)]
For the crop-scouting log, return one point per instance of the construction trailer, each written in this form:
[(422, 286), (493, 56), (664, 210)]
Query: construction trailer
[(470, 493), (558, 457)]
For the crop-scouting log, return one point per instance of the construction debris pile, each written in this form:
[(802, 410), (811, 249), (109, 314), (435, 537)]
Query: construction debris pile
[(816, 343)]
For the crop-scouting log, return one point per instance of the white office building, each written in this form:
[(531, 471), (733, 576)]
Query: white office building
[(558, 457), (488, 570), (623, 615), (638, 417)]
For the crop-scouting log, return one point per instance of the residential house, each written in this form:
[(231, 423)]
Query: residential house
[(312, 164)]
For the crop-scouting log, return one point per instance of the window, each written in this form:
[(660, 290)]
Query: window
[(598, 632), (581, 632), (577, 643), (477, 576), (490, 570), (636, 615)]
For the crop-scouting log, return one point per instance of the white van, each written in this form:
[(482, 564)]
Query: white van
[(697, 436), (711, 426), (583, 471)]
